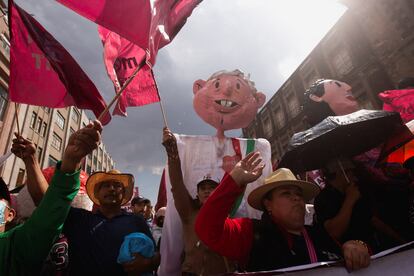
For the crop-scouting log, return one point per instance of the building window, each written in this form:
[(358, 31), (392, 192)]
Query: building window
[(44, 129), (342, 62), (60, 120), (46, 109), (75, 115), (20, 177), (293, 104), (99, 166), (39, 152), (5, 44), (279, 117), (39, 125), (71, 131), (3, 101), (267, 126), (56, 141), (365, 103), (310, 78), (52, 161), (308, 73), (95, 161), (33, 120)]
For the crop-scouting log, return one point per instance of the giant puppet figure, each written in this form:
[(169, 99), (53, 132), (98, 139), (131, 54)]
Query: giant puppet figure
[(227, 100)]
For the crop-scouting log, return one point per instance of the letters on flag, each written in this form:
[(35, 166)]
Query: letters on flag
[(121, 58), (42, 72)]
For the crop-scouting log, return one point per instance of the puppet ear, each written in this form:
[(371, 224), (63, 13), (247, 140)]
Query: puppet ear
[(198, 84), (315, 98), (260, 98)]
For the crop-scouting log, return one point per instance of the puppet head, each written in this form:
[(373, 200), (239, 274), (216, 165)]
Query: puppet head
[(328, 98), (227, 100)]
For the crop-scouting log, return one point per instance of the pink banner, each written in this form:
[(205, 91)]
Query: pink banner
[(121, 58), (149, 24), (401, 101), (42, 72)]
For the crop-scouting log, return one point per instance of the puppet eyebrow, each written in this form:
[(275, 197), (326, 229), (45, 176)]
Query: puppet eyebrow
[(242, 82), (337, 83)]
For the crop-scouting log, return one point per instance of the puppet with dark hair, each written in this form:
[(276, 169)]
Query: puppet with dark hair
[(328, 98)]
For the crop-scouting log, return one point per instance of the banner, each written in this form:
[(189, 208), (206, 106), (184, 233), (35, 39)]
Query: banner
[(121, 58), (52, 78)]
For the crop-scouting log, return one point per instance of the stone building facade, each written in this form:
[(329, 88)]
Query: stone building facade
[(370, 47), (50, 129)]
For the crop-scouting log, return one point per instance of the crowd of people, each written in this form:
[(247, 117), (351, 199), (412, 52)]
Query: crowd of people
[(361, 210)]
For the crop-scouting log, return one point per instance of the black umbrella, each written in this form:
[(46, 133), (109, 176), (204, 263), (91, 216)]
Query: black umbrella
[(344, 136)]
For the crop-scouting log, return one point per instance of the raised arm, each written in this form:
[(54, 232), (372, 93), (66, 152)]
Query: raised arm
[(337, 225), (34, 239), (36, 182), (182, 199), (229, 237)]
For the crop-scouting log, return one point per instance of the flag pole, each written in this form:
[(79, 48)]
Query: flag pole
[(128, 81), (161, 106), (163, 113), (16, 115)]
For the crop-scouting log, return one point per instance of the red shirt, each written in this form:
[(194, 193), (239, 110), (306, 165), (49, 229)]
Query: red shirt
[(232, 238)]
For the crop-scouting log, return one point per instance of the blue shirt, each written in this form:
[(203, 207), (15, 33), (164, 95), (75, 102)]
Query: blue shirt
[(94, 240)]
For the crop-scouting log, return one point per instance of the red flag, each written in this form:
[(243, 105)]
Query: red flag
[(401, 101), (148, 24), (162, 193), (42, 72), (121, 58)]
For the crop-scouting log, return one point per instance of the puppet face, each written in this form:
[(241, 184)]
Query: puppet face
[(338, 95), (226, 101)]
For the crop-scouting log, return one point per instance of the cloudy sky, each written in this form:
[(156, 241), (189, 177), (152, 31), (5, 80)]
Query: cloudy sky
[(266, 38)]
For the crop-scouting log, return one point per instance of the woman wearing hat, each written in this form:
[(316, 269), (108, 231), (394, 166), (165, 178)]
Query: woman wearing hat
[(280, 238)]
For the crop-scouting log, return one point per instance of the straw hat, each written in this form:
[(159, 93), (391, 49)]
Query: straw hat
[(113, 175), (279, 178)]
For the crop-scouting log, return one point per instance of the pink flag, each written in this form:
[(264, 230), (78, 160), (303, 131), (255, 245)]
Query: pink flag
[(121, 58), (148, 24), (401, 101), (42, 72)]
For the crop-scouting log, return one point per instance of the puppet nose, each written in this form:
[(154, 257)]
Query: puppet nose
[(228, 88)]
